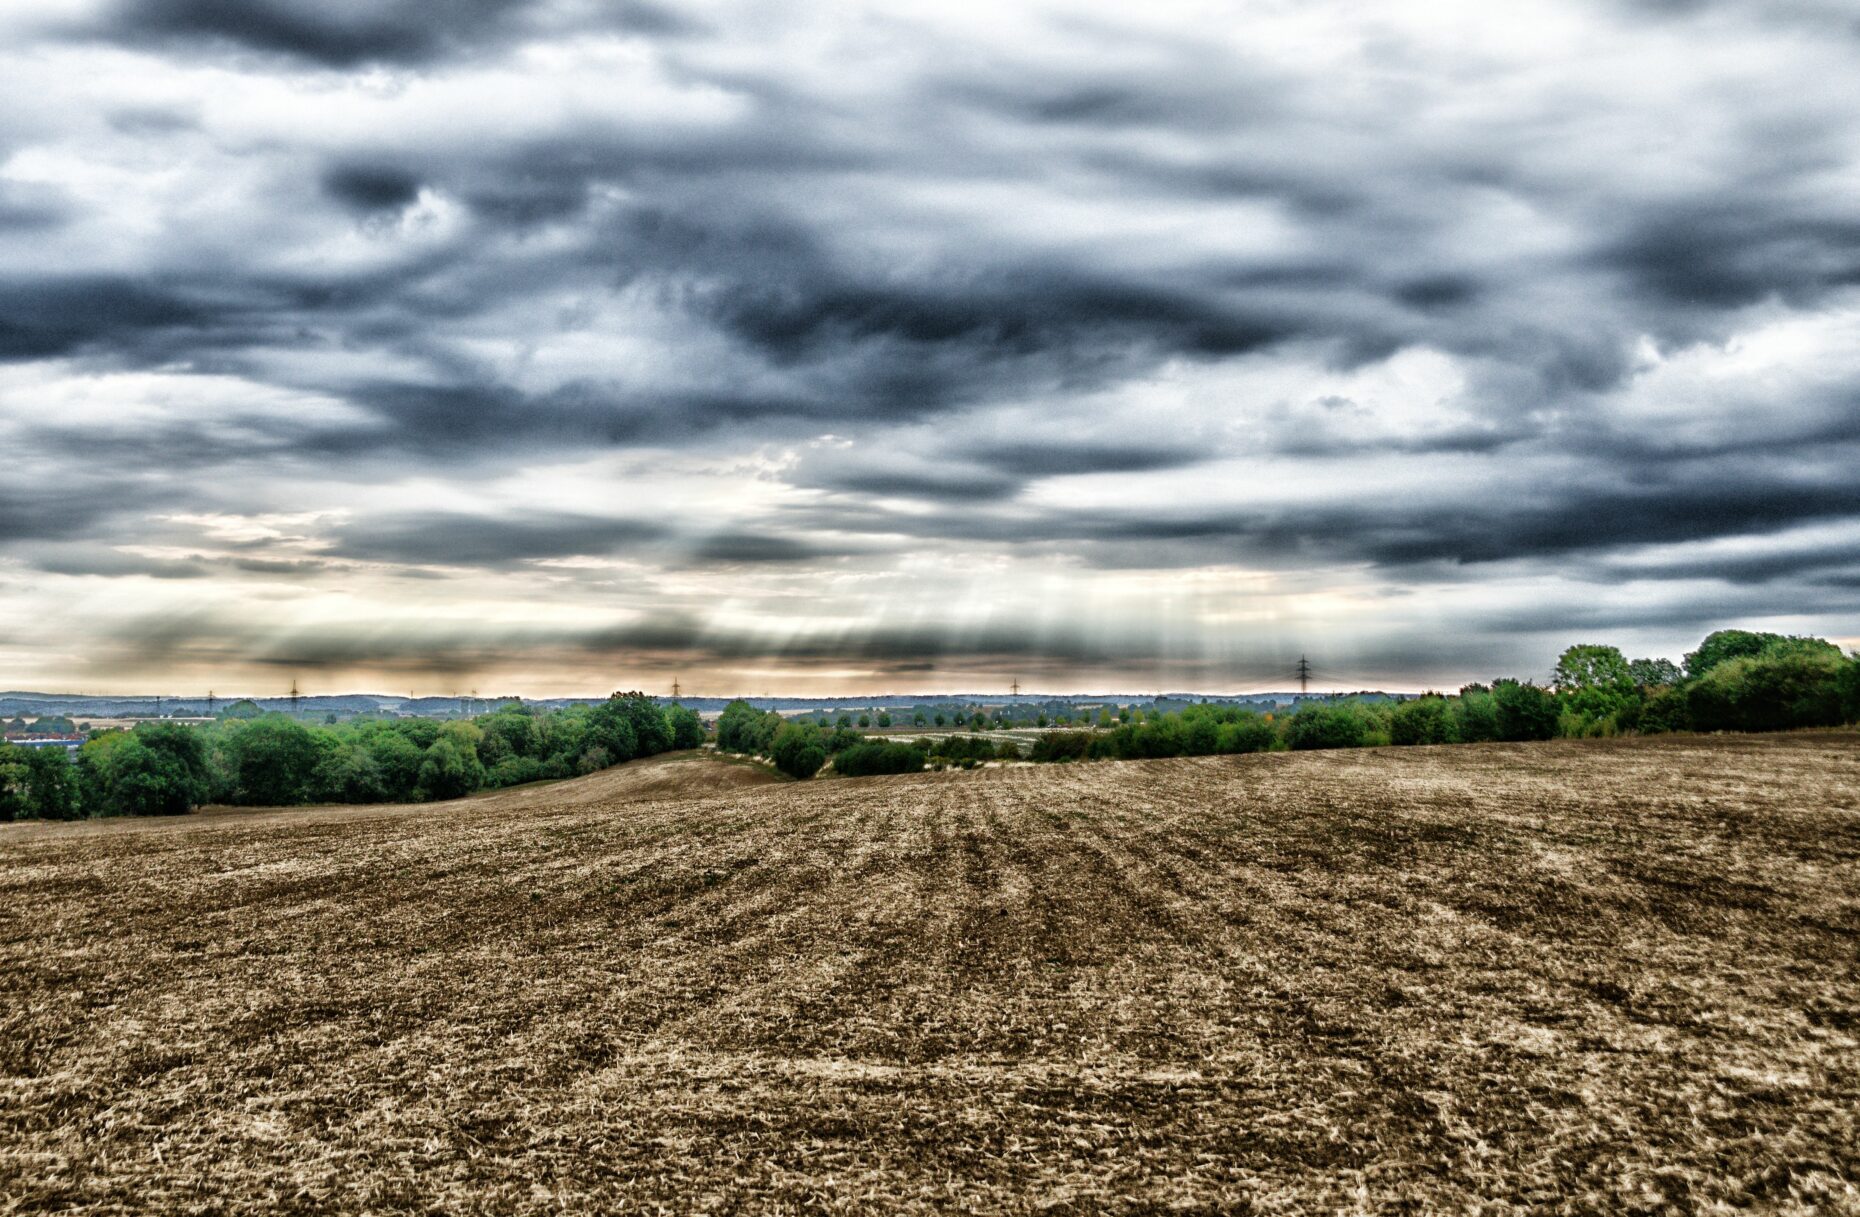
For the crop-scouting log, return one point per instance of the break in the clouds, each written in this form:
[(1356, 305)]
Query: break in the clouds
[(566, 346)]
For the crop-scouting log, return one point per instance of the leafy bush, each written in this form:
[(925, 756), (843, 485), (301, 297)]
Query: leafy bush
[(38, 784), (1425, 720), (687, 729), (962, 747), (798, 750), (1327, 725), (743, 728), (1723, 646), (1664, 710), (158, 769), (1247, 733), (450, 770), (870, 759), (516, 770), (274, 761), (1525, 711), (1062, 746), (1475, 715), (1774, 690)]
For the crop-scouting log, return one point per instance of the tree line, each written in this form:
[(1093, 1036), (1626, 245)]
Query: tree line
[(1738, 680), (164, 768), (801, 747)]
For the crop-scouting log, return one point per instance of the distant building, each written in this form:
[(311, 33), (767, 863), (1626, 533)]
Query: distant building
[(33, 739)]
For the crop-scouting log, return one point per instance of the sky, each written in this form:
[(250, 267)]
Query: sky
[(554, 346)]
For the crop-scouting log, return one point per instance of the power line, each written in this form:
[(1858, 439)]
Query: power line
[(1304, 675)]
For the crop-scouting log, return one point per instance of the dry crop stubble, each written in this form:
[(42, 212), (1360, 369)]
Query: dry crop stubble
[(1596, 976)]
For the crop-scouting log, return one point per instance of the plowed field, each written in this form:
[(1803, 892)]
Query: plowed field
[(1606, 976)]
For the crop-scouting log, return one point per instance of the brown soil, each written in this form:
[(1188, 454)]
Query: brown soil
[(1605, 976)]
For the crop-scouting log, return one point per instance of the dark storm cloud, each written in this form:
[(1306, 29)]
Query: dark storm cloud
[(54, 512), (216, 638), (371, 187), (748, 547), (1828, 565), (345, 35), (1725, 254), (26, 207), (1035, 460), (337, 35), (939, 481), (1013, 312), (455, 539), (1545, 521), (89, 560), (46, 317)]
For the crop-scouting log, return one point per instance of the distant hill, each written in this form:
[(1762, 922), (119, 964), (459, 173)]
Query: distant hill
[(16, 702)]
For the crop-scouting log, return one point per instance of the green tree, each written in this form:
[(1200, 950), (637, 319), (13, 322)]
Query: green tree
[(508, 733), (1771, 691), (13, 801), (798, 750), (1597, 690), (1423, 720), (1475, 715), (348, 773), (186, 744), (1849, 684), (274, 761), (1666, 709), (743, 728), (1327, 725), (134, 779), (613, 727), (52, 785), (1592, 670), (1655, 673), (450, 770), (1525, 711), (687, 729), (396, 760), (1726, 645), (873, 757), (1247, 732)]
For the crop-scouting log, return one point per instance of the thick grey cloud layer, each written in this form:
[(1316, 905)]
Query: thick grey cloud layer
[(692, 305)]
